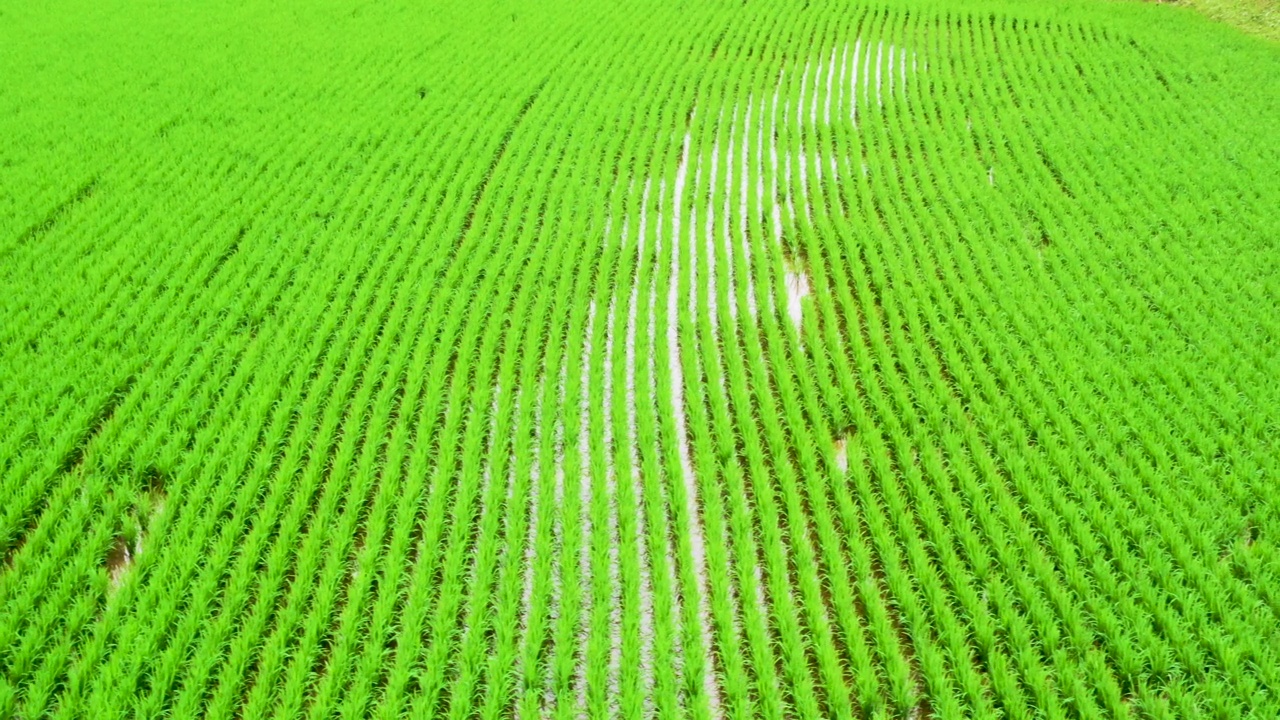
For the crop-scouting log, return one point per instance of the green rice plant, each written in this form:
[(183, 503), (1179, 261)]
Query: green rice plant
[(600, 360)]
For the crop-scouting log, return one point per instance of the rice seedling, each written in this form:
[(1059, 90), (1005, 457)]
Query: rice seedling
[(522, 360)]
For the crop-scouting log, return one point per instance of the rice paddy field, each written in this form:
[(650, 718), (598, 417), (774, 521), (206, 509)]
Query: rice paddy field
[(512, 359)]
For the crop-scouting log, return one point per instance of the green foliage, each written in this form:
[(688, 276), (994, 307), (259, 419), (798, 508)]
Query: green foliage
[(602, 360)]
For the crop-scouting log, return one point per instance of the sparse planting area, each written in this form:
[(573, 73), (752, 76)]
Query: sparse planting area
[(506, 359)]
